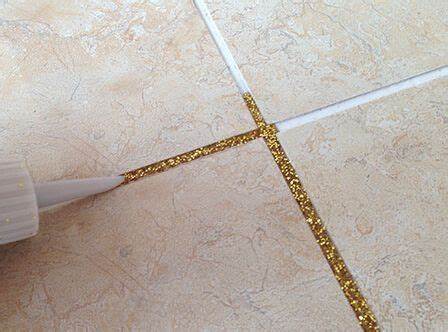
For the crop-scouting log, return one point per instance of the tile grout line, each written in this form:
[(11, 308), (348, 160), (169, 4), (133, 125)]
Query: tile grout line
[(348, 285), (362, 99), (222, 47), (166, 164)]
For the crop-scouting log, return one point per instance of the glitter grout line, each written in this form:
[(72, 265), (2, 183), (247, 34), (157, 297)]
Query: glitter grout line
[(164, 165), (346, 281)]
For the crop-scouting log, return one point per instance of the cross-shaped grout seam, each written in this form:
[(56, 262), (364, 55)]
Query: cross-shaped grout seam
[(269, 133)]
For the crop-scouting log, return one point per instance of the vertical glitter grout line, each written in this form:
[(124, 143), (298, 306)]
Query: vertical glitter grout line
[(269, 132), (346, 281)]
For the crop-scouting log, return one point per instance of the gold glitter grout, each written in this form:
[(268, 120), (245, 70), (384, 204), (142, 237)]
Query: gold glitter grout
[(346, 281), (164, 165), (268, 132)]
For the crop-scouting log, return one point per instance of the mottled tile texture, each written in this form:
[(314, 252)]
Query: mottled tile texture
[(379, 177), (301, 55), (94, 87), (215, 244)]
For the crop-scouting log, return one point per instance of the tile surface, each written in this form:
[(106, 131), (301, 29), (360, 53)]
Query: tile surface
[(301, 55), (94, 87), (215, 244), (378, 175)]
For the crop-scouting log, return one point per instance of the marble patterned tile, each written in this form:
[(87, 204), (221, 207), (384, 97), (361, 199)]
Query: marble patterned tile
[(302, 55), (378, 175), (94, 87), (216, 244)]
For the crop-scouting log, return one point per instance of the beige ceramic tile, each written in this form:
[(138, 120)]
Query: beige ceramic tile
[(217, 244), (92, 87), (379, 177), (301, 55)]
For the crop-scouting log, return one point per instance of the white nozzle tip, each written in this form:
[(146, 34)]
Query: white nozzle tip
[(66, 190)]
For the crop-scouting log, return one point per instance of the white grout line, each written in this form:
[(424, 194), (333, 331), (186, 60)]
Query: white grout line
[(322, 112), (362, 99), (222, 46)]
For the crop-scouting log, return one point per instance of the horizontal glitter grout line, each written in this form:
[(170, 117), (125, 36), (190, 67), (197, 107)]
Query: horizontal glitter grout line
[(164, 165)]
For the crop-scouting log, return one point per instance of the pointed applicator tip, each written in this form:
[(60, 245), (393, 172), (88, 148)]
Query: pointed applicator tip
[(57, 192), (20, 199)]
